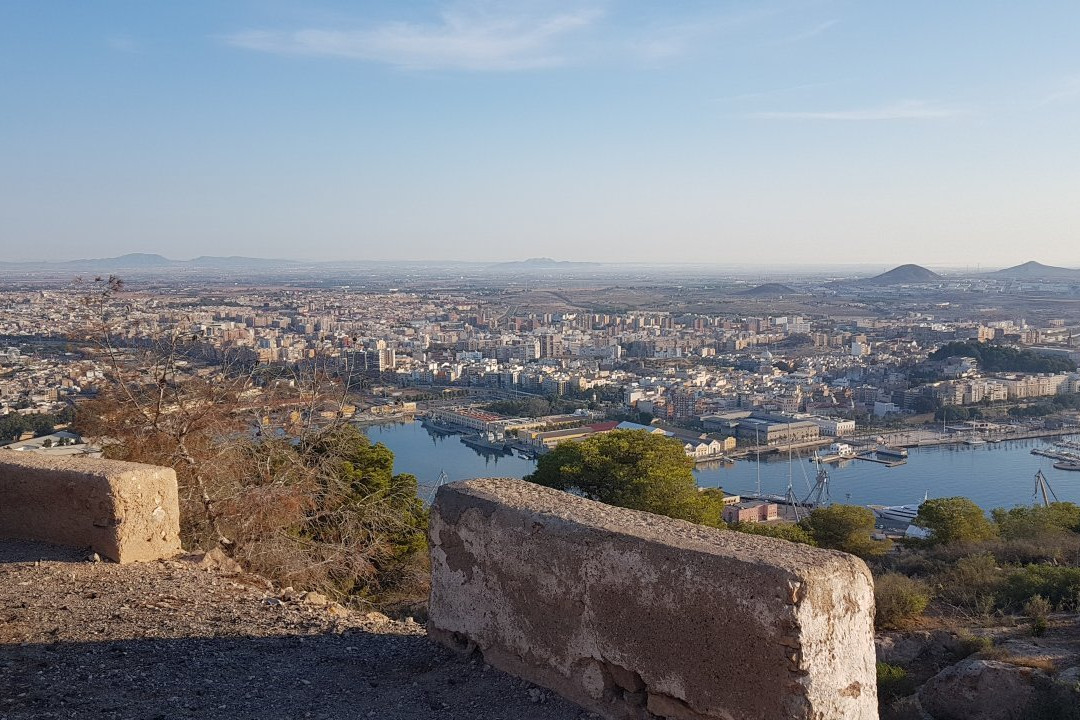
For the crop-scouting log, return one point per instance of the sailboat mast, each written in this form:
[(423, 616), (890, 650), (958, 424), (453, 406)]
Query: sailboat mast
[(757, 441)]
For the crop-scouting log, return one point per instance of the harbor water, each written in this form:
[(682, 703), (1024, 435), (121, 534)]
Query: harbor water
[(992, 475)]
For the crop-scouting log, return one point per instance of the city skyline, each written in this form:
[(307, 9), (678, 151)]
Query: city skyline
[(827, 133)]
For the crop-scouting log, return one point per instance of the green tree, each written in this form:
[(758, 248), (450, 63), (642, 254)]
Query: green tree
[(953, 413), (846, 528), (363, 499), (1037, 521), (628, 468), (923, 404), (785, 531), (712, 500), (954, 519)]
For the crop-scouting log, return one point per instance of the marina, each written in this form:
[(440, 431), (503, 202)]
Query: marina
[(992, 474)]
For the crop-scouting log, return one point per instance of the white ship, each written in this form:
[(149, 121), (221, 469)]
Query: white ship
[(898, 513)]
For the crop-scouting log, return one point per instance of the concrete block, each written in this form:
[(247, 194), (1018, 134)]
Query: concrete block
[(127, 512), (638, 616)]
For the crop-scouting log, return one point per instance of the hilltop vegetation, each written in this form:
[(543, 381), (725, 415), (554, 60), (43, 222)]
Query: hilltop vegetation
[(651, 472), (284, 484), (970, 565), (1000, 358)]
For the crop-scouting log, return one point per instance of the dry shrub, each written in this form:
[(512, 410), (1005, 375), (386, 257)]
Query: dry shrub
[(898, 600), (971, 584), (295, 510), (1047, 665), (300, 499), (968, 644), (1038, 608)]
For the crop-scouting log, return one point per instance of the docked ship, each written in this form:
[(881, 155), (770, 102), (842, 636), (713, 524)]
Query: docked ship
[(896, 513), (437, 427), (487, 442), (891, 451)]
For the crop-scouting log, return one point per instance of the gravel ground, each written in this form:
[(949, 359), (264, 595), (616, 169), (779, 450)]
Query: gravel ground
[(193, 638)]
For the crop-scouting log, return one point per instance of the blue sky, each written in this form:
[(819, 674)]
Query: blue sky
[(943, 133)]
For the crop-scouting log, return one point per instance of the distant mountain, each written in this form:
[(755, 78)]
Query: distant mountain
[(131, 260), (1032, 270), (768, 290), (148, 262), (543, 264), (902, 275), (237, 261)]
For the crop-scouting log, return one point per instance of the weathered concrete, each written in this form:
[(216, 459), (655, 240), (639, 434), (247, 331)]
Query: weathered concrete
[(127, 512), (639, 616)]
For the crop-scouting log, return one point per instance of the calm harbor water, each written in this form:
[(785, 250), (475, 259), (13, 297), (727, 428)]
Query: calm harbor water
[(993, 475)]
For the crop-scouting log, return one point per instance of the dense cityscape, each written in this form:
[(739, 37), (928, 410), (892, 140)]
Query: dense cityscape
[(878, 356)]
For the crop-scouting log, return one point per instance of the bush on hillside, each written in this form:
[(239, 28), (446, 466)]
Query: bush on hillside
[(972, 584), (1060, 586), (1037, 609), (1037, 522), (898, 600), (784, 531), (893, 682)]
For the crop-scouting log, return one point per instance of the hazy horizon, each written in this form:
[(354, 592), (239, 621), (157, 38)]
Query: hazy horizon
[(824, 133), (776, 267)]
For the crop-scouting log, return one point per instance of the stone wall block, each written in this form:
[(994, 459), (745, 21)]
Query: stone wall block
[(127, 512), (637, 616)]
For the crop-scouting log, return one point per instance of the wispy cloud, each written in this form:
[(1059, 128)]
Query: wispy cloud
[(661, 42), (1068, 90), (809, 32), (465, 37), (124, 44), (789, 90), (908, 110)]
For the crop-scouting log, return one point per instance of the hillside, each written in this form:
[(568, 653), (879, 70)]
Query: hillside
[(192, 638), (1000, 358), (903, 275), (1032, 270), (767, 290)]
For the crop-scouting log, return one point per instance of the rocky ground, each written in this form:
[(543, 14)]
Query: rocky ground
[(195, 638), (984, 673)]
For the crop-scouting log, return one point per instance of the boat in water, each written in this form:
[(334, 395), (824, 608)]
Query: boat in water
[(486, 443), (1067, 465), (889, 451), (439, 428), (897, 513)]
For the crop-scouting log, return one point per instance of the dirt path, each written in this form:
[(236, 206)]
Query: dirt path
[(180, 639)]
